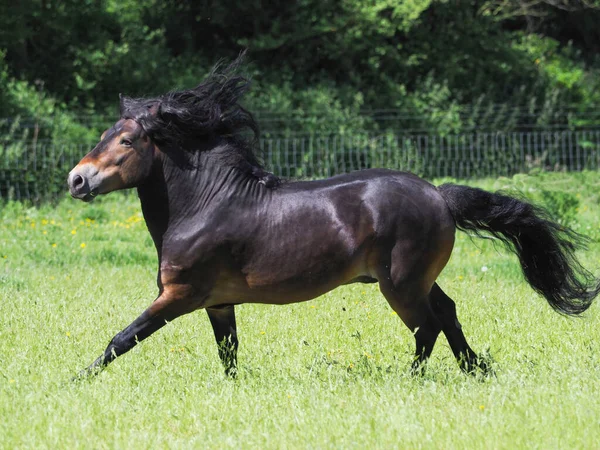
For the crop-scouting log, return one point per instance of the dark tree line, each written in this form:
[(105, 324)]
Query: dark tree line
[(317, 65)]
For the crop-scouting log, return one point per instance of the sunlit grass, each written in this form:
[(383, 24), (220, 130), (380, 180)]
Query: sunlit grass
[(328, 373)]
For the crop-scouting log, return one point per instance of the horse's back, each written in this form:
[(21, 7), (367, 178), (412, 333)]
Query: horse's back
[(358, 176), (392, 198)]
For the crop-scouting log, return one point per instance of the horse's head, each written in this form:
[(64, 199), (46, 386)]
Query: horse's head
[(176, 121), (122, 159)]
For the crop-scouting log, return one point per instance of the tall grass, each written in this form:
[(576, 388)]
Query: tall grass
[(331, 373)]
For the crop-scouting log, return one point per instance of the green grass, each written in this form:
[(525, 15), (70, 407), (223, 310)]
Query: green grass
[(331, 373)]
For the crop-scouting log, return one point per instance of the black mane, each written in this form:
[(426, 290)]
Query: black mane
[(178, 120)]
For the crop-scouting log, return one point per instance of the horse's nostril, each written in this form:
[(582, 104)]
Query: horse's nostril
[(78, 181)]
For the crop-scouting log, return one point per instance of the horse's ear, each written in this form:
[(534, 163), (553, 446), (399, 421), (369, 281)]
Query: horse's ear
[(154, 108), (124, 103), (130, 107)]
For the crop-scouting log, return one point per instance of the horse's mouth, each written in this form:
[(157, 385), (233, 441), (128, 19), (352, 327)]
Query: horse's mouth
[(89, 196)]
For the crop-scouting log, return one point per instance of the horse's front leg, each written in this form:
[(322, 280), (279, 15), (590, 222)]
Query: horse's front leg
[(165, 308), (222, 319)]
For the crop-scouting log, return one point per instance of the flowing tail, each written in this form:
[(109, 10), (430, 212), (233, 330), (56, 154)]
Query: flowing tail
[(546, 250)]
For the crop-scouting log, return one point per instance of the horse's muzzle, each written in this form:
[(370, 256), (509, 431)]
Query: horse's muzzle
[(79, 186)]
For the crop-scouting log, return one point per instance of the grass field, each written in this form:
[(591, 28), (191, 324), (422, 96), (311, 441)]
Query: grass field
[(331, 373)]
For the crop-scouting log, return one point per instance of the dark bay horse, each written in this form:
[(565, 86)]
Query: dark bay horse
[(228, 232)]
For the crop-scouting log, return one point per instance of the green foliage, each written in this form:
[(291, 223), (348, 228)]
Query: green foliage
[(563, 205), (426, 58), (35, 130), (46, 119)]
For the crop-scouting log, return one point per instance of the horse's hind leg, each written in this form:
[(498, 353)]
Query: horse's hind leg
[(445, 310), (425, 336), (222, 320), (412, 306)]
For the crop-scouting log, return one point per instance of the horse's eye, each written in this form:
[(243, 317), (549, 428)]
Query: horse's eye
[(126, 142)]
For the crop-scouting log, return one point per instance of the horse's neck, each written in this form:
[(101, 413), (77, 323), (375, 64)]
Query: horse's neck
[(155, 207), (175, 195)]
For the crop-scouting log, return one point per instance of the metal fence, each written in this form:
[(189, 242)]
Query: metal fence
[(37, 171)]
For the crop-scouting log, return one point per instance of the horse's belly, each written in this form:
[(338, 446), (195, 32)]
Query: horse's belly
[(269, 288)]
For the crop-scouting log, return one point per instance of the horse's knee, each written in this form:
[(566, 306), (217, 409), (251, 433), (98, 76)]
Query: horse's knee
[(124, 341), (120, 343)]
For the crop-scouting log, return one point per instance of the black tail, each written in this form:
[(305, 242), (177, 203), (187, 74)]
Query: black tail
[(546, 250)]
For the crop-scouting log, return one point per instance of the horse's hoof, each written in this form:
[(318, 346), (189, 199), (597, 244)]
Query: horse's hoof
[(417, 369), (231, 372)]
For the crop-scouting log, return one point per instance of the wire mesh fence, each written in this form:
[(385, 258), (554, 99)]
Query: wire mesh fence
[(37, 171), (458, 156)]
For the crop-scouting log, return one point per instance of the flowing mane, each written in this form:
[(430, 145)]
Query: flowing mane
[(211, 108), (178, 120)]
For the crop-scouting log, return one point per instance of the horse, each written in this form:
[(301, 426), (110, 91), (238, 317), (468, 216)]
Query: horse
[(229, 232)]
